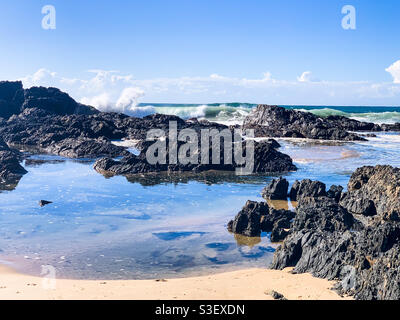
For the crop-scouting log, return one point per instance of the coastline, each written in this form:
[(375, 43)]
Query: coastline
[(249, 284)]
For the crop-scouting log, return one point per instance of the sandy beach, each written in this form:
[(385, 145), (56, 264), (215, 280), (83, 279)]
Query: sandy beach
[(238, 285)]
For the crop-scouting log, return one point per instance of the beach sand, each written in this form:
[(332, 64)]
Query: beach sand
[(238, 285)]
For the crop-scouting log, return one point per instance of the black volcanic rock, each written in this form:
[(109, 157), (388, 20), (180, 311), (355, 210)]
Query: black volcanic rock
[(276, 190), (14, 100), (323, 214), (257, 217), (266, 160), (274, 121), (307, 188), (335, 192), (8, 91), (53, 101), (360, 252), (374, 191), (10, 169), (248, 220)]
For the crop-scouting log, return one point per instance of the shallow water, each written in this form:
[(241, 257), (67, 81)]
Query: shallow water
[(98, 228)]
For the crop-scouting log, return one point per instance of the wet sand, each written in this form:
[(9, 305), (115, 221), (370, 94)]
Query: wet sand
[(238, 285)]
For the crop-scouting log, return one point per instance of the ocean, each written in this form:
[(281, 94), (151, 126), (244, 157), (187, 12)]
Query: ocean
[(155, 227), (235, 112)]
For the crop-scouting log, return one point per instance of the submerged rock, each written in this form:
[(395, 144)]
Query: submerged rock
[(43, 203)]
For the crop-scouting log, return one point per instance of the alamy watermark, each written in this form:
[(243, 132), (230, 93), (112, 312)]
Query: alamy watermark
[(192, 147), (49, 20), (349, 21), (49, 281)]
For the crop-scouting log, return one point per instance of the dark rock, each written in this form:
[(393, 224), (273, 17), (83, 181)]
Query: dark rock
[(328, 242), (276, 295), (257, 217), (274, 121), (248, 220), (8, 91), (85, 148), (323, 214), (307, 188), (374, 191), (266, 160), (43, 203), (10, 169), (276, 190), (276, 219), (54, 101), (335, 192), (279, 234)]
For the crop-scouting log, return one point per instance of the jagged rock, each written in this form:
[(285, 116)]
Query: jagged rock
[(266, 160), (14, 100), (274, 121), (307, 188), (257, 217), (335, 192), (10, 169), (329, 242), (374, 191), (276, 190), (8, 91), (248, 220), (85, 148), (323, 214)]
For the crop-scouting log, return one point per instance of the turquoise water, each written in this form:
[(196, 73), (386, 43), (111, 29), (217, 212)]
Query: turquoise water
[(236, 112), (155, 227)]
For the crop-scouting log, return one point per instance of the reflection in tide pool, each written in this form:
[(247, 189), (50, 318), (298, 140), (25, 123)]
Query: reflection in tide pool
[(154, 227)]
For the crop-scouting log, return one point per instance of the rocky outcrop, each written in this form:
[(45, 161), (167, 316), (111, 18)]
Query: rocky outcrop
[(8, 105), (307, 188), (274, 121), (248, 220), (257, 217), (374, 191), (276, 190), (359, 251), (335, 192), (266, 160), (10, 169), (14, 99)]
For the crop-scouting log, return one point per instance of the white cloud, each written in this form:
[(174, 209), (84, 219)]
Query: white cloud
[(113, 91), (307, 76), (39, 77), (394, 70)]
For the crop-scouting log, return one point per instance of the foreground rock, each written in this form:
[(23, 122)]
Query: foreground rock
[(359, 251), (274, 121), (10, 169), (374, 191)]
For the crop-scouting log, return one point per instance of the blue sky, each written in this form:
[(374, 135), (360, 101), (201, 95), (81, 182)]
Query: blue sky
[(206, 50)]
